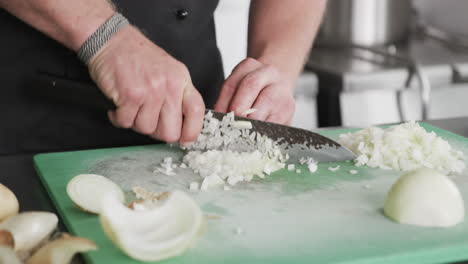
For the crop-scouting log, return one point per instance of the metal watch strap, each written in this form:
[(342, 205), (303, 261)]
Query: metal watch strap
[(97, 40)]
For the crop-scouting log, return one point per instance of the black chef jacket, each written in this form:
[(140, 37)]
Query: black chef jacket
[(31, 123)]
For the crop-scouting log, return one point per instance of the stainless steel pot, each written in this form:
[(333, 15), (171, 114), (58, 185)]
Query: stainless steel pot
[(365, 22)]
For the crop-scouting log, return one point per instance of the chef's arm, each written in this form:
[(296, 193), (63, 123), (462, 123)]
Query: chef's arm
[(68, 22), (280, 36), (281, 32), (153, 91)]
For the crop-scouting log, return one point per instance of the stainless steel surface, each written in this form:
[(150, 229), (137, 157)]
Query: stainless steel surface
[(299, 142), (413, 68), (365, 22)]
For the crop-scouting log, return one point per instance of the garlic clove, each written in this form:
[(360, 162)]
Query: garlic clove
[(61, 250), (9, 205), (30, 228), (87, 191), (156, 233)]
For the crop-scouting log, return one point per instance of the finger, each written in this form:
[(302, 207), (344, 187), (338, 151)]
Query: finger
[(148, 116), (232, 82), (124, 116), (170, 117), (279, 118), (193, 110), (250, 87), (272, 107), (169, 123), (263, 104), (111, 116)]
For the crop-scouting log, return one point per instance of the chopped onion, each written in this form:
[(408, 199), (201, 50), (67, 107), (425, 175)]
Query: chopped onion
[(425, 197), (353, 171), (403, 147), (194, 186), (153, 234), (249, 111), (166, 167), (291, 167), (88, 190), (312, 167), (334, 168)]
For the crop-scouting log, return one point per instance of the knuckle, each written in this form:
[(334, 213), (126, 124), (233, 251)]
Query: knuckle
[(135, 96), (123, 122), (251, 80), (155, 82), (250, 62), (197, 109), (271, 70)]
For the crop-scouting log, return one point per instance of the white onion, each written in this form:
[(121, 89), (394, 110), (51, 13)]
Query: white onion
[(156, 233), (88, 190), (403, 147), (425, 197), (227, 153)]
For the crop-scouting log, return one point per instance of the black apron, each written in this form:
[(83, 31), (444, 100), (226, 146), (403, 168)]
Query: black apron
[(30, 123)]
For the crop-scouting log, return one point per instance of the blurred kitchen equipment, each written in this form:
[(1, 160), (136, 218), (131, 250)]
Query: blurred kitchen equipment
[(414, 69), (365, 22)]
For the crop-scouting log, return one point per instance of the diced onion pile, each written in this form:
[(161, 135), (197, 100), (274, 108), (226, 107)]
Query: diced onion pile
[(226, 152), (403, 147)]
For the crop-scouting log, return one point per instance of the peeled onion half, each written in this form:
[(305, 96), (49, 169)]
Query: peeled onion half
[(88, 190), (156, 233), (425, 197)]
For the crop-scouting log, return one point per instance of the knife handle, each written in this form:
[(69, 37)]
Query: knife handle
[(68, 91)]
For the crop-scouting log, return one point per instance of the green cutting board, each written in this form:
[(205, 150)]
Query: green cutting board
[(324, 217)]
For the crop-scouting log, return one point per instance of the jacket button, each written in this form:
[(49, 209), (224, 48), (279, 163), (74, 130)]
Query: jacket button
[(182, 14)]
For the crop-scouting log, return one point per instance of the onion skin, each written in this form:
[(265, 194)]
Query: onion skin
[(6, 239), (425, 197), (9, 205)]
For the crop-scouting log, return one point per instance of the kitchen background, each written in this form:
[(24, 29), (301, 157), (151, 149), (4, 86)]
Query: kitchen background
[(356, 87)]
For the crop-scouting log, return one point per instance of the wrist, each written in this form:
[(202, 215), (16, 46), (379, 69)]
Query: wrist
[(101, 36), (84, 27), (288, 68)]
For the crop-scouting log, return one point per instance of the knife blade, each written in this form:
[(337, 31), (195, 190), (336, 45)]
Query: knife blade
[(296, 142)]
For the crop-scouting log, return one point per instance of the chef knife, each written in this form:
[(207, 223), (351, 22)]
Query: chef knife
[(296, 142)]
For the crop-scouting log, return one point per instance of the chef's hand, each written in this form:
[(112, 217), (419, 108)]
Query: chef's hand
[(253, 84), (153, 91)]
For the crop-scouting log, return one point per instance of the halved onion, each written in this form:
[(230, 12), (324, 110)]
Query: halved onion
[(156, 233), (425, 197), (88, 190)]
